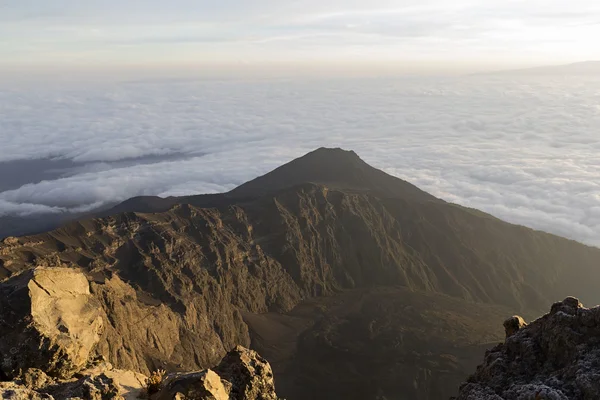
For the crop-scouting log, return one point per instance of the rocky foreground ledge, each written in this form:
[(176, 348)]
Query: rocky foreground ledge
[(49, 327), (556, 357)]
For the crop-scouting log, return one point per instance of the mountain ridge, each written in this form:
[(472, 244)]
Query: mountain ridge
[(328, 166), (197, 278)]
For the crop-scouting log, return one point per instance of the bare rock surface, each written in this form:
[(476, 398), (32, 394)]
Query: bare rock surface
[(14, 391), (250, 375), (556, 357), (242, 375), (198, 385), (99, 383), (51, 329), (49, 321)]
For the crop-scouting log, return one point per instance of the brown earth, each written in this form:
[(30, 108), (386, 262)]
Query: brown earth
[(386, 342)]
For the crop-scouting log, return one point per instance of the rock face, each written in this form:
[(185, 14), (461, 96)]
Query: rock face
[(50, 321), (199, 385), (556, 357), (51, 326), (250, 375)]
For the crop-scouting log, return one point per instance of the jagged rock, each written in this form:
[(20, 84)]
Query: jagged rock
[(250, 375), (100, 383), (556, 357), (98, 387), (246, 376), (205, 385), (513, 325), (242, 375), (49, 321), (14, 391), (35, 379)]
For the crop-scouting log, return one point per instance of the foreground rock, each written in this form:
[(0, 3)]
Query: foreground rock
[(244, 375), (98, 383), (250, 375), (49, 321), (49, 336), (556, 357), (241, 375), (14, 391)]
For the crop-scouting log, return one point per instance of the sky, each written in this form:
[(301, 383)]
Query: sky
[(244, 33), (523, 147)]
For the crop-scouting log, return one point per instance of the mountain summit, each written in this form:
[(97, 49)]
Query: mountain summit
[(335, 168)]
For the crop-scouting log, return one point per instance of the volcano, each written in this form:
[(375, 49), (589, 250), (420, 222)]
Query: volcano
[(354, 284)]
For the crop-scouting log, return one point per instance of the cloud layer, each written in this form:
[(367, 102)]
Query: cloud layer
[(524, 149)]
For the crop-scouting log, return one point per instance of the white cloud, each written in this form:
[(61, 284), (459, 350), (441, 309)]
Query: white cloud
[(524, 149)]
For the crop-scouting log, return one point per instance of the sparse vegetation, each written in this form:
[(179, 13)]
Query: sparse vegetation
[(155, 382)]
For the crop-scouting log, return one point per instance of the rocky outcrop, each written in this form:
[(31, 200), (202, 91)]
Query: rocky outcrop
[(198, 385), (99, 383), (513, 325), (244, 375), (49, 320), (556, 357), (241, 375), (250, 375), (51, 326), (14, 391)]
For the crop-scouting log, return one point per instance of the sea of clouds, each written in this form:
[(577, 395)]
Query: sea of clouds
[(524, 149)]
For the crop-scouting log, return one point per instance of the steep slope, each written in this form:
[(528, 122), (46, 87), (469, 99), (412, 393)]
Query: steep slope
[(336, 169), (183, 286)]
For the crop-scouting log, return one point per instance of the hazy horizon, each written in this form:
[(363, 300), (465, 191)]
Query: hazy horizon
[(415, 35)]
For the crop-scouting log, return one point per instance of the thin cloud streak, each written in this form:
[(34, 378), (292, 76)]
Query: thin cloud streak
[(68, 32)]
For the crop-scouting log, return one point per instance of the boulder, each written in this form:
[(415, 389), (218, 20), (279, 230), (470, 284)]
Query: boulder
[(205, 385), (513, 325), (48, 321), (241, 375), (250, 375)]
